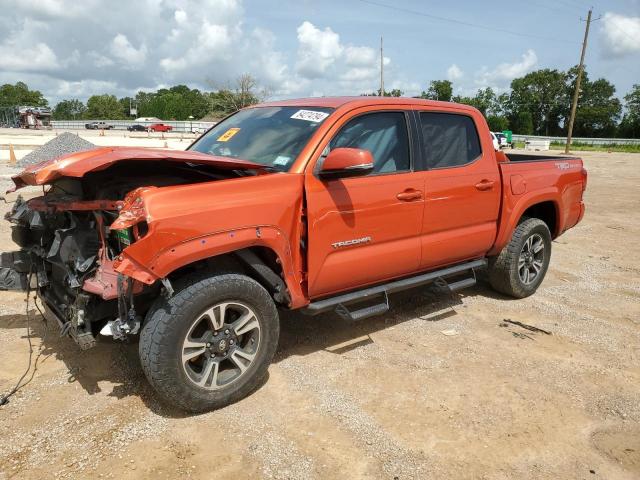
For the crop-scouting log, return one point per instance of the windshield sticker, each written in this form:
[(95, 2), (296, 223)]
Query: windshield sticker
[(281, 160), (310, 116), (228, 135)]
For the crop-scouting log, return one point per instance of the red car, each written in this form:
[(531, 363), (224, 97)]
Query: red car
[(160, 127)]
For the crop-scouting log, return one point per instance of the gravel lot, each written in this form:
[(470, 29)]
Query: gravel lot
[(391, 397)]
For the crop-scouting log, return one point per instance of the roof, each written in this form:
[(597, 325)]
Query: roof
[(361, 101)]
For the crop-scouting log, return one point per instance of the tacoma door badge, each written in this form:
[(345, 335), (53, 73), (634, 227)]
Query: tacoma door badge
[(348, 243)]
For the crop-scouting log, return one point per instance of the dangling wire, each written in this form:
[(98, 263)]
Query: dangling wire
[(5, 398)]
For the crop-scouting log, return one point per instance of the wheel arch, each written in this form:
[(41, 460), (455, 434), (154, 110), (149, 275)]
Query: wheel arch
[(547, 211), (544, 205), (258, 262)]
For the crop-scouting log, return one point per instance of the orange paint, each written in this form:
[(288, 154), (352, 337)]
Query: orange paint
[(333, 235)]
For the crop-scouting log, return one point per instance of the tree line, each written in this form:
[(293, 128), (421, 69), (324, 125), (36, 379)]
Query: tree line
[(176, 103), (538, 103)]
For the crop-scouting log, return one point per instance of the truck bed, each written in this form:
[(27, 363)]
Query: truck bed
[(532, 157), (554, 182)]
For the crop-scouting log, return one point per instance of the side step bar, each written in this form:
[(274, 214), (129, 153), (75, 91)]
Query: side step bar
[(340, 302)]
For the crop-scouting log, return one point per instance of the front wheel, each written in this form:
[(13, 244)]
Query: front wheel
[(211, 343), (522, 264)]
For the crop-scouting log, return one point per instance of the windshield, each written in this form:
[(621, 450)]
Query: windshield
[(271, 136)]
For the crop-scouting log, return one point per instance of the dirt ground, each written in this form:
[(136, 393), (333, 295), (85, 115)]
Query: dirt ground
[(391, 397)]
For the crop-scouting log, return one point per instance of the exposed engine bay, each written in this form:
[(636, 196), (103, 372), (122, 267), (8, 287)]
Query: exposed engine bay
[(68, 248)]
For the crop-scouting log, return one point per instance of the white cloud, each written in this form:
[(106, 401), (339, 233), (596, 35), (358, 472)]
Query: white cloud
[(454, 72), (181, 17), (130, 56), (99, 60), (18, 58), (317, 50), (213, 42), (71, 49), (360, 56), (85, 88), (51, 8), (621, 34), (334, 67), (505, 72)]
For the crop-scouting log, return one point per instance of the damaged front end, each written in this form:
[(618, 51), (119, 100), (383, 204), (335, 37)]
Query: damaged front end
[(67, 255), (73, 237)]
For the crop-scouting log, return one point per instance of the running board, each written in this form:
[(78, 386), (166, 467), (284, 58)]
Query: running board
[(340, 302)]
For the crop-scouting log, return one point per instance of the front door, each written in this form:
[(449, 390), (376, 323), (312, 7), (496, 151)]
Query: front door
[(363, 230)]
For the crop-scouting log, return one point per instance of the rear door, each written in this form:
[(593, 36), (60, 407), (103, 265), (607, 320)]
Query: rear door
[(364, 230), (462, 187)]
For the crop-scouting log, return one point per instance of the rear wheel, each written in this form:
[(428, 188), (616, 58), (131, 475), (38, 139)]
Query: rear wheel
[(522, 264), (211, 343)]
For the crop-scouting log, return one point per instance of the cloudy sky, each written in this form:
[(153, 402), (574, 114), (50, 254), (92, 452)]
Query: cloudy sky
[(76, 48)]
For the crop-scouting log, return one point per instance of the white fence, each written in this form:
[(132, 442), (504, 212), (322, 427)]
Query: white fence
[(179, 127), (187, 126), (586, 141)]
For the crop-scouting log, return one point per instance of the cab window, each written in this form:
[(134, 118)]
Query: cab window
[(449, 140), (384, 134)]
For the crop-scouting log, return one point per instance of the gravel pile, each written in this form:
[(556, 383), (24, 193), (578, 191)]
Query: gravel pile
[(63, 144)]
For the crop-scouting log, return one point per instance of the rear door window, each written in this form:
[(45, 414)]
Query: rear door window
[(449, 140)]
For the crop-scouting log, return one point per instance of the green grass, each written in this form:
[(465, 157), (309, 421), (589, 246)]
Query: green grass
[(577, 146), (610, 147)]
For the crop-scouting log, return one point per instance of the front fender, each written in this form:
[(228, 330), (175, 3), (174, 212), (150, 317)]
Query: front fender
[(211, 245), (188, 223)]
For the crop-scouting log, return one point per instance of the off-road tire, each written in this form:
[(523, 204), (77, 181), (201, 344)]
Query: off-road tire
[(503, 269), (167, 323)]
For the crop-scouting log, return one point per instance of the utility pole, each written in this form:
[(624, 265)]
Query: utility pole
[(381, 68), (576, 94)]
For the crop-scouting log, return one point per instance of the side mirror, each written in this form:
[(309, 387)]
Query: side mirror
[(346, 162)]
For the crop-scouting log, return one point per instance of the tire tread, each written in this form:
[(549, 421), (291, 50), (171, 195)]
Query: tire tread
[(160, 332)]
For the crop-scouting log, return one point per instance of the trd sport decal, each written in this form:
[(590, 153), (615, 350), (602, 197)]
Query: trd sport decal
[(348, 243)]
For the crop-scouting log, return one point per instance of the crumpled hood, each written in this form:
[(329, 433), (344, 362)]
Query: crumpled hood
[(80, 163)]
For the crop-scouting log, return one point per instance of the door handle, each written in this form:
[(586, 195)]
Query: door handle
[(485, 185), (409, 195)]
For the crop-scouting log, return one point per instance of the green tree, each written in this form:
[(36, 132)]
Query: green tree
[(242, 94), (497, 123), (125, 104), (439, 90), (543, 94), (522, 123), (72, 109), (175, 103), (486, 100), (19, 94), (598, 109), (104, 107), (630, 125), (393, 93)]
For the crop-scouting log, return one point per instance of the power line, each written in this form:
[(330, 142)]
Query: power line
[(461, 22)]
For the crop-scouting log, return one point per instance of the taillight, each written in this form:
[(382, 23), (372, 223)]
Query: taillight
[(584, 179)]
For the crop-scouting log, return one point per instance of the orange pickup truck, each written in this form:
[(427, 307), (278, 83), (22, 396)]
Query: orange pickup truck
[(322, 204)]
